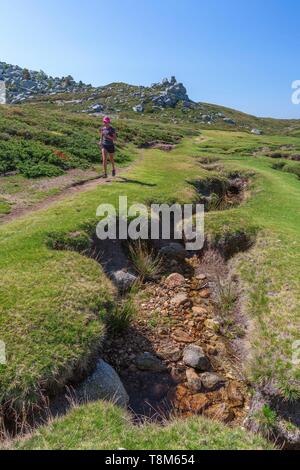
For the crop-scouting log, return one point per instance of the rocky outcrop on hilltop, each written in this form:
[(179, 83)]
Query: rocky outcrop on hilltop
[(22, 84), (165, 94), (163, 97), (171, 93)]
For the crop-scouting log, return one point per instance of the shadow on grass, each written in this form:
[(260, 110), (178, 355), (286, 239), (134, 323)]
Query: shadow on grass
[(127, 180)]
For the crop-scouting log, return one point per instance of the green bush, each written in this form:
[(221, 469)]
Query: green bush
[(40, 136), (39, 170)]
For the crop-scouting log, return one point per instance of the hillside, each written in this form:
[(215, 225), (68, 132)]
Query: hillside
[(167, 101)]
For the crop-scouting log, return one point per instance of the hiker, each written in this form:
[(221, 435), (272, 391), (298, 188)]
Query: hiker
[(108, 137)]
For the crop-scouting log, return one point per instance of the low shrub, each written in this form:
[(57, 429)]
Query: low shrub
[(39, 170)]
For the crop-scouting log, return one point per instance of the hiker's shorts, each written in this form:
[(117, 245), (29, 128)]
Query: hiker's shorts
[(109, 148)]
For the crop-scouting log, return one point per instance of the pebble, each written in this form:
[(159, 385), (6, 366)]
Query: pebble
[(179, 300), (182, 337), (175, 280), (205, 294), (199, 310), (211, 381)]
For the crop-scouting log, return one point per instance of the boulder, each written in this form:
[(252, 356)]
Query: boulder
[(195, 357), (180, 299), (196, 403), (138, 108), (256, 132), (201, 311), (171, 353), (229, 121), (205, 294), (123, 280), (104, 384), (173, 250), (211, 381), (97, 108), (149, 362), (181, 336)]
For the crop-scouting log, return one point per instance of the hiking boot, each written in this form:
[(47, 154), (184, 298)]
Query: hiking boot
[(104, 176), (114, 173)]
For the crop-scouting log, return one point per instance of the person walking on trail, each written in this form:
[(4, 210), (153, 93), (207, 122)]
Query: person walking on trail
[(107, 144)]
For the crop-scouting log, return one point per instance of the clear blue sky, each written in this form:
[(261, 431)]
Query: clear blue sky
[(238, 53)]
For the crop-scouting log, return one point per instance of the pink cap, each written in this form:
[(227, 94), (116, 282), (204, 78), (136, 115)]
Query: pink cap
[(106, 120)]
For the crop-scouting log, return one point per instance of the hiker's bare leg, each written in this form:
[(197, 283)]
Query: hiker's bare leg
[(112, 161), (104, 161)]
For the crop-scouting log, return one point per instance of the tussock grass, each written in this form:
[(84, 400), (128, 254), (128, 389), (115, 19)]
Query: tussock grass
[(102, 426), (119, 317), (146, 262), (266, 419), (226, 296)]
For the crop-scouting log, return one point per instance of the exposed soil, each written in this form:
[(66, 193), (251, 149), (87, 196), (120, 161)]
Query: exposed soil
[(67, 185), (280, 153), (221, 194), (166, 147)]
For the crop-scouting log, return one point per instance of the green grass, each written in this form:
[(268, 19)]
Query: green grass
[(119, 317), (102, 426), (270, 272), (53, 303), (267, 420), (5, 207)]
